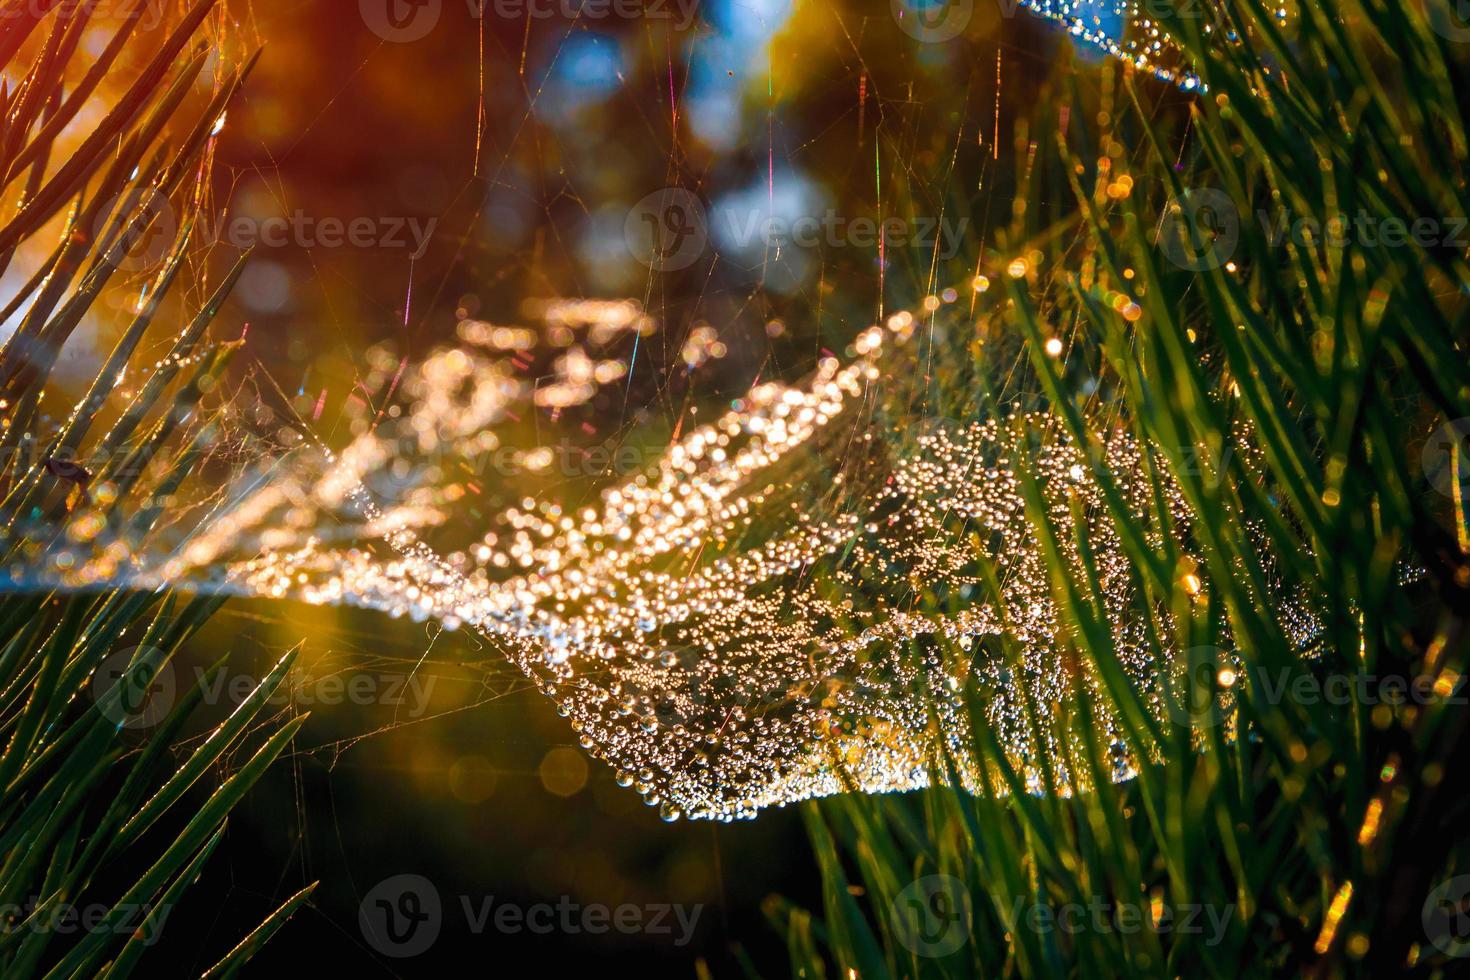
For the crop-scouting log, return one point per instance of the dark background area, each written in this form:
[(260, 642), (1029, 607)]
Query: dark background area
[(462, 798)]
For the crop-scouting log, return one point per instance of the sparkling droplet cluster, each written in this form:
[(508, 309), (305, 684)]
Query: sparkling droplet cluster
[(794, 599), (1145, 35)]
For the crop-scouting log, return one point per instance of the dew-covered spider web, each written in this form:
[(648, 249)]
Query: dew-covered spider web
[(825, 584), (800, 596)]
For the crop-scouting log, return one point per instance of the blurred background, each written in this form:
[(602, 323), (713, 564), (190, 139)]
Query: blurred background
[(412, 170)]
